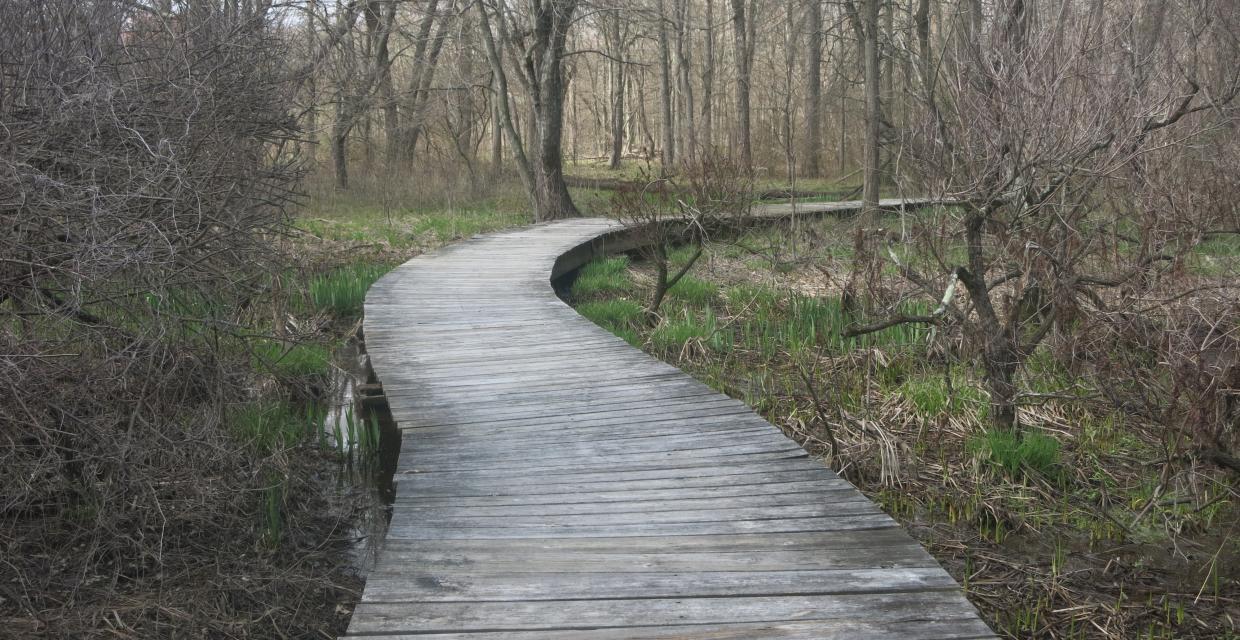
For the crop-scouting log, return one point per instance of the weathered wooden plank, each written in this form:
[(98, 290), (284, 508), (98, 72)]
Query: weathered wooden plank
[(967, 628), (623, 501), (743, 494), (579, 614), (447, 586), (543, 561), (810, 544), (428, 530)]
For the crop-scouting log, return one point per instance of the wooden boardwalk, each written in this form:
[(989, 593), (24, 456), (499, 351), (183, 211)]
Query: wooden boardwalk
[(555, 482)]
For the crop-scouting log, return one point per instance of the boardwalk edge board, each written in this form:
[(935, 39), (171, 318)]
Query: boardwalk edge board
[(555, 482)]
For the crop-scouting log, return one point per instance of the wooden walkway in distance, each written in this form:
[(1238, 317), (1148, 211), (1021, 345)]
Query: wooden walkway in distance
[(555, 482)]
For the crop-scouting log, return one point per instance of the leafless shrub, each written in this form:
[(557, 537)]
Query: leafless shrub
[(143, 172), (1048, 135), (709, 196)]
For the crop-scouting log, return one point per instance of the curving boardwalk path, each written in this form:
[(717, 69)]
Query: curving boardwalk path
[(555, 482)]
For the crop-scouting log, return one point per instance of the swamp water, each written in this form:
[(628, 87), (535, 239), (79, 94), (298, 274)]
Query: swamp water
[(360, 426)]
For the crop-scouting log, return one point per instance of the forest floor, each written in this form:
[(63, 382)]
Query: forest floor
[(1080, 531)]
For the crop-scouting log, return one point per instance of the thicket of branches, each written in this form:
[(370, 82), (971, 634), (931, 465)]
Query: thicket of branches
[(144, 167), (1090, 150)]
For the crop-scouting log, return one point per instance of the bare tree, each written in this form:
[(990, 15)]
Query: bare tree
[(535, 37)]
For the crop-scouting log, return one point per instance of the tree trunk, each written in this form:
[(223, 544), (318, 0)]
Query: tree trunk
[(391, 116), (497, 136), (505, 110), (684, 63), (708, 80), (792, 26), (617, 90), (340, 152), (665, 93), (551, 35), (312, 89), (873, 109), (813, 92), (744, 58), (426, 58), (999, 364), (1000, 355)]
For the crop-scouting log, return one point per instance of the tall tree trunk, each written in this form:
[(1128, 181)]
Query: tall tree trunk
[(312, 87), (741, 34), (551, 35), (426, 58), (873, 108), (684, 63), (811, 158), (505, 110), (665, 93), (792, 27), (497, 134), (340, 151), (391, 116), (617, 88), (708, 80)]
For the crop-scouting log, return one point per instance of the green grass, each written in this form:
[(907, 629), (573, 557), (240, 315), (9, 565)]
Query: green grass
[(694, 291), (621, 317), (342, 291), (758, 297), (410, 220), (795, 322), (602, 277), (291, 361), (1216, 256), (676, 331), (1035, 452), (269, 426), (612, 314), (931, 398), (1227, 245)]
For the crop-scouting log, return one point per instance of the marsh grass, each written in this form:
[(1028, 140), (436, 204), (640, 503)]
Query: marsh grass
[(1017, 455), (620, 316), (602, 277), (296, 360), (933, 395), (270, 426), (342, 291), (352, 434), (693, 291), (685, 331)]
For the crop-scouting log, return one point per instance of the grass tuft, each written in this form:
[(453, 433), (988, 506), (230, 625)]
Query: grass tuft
[(694, 291), (930, 396), (291, 361), (599, 277), (1017, 456), (674, 334), (342, 292), (269, 426), (613, 314)]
